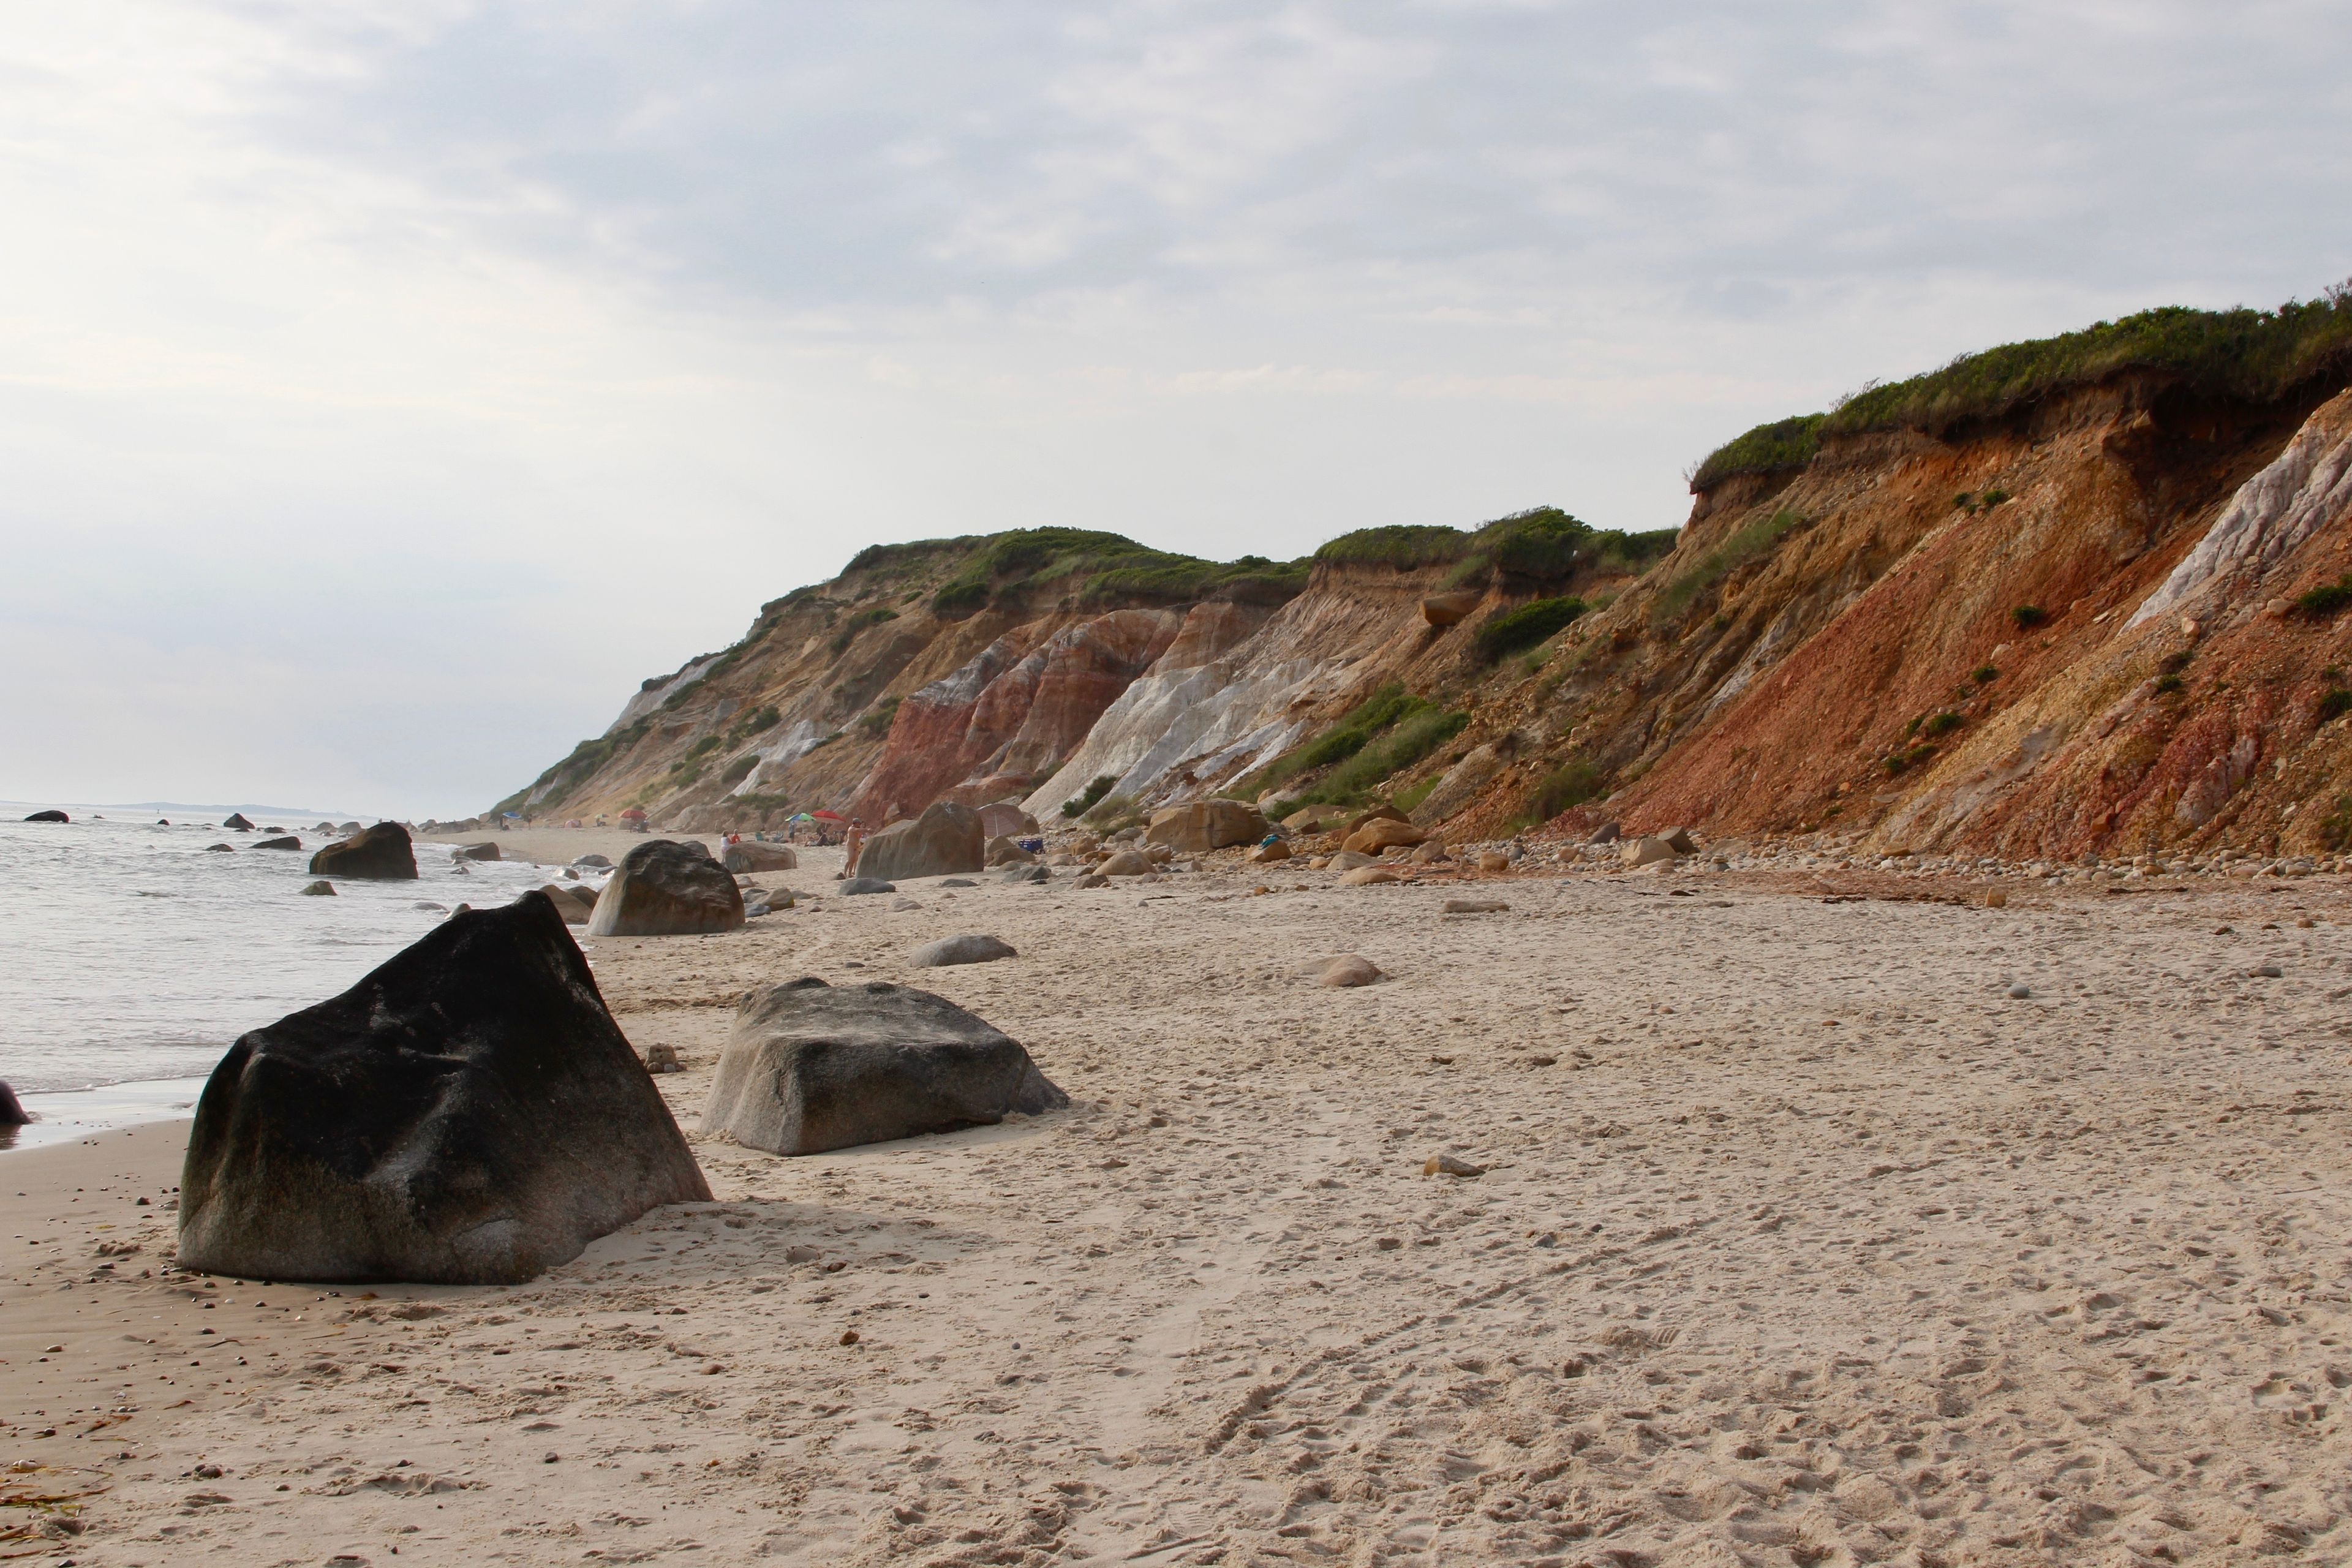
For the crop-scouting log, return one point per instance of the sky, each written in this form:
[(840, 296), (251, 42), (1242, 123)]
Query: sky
[(387, 388)]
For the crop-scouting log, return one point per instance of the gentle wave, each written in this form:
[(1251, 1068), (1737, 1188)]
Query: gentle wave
[(129, 953)]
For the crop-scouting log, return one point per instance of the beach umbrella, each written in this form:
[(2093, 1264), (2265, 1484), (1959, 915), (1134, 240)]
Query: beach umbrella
[(632, 814), (828, 816)]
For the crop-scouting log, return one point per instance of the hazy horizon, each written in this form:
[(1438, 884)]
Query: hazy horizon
[(390, 389)]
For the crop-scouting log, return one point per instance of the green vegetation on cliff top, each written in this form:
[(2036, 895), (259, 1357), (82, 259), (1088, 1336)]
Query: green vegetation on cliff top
[(1091, 567), (2251, 355), (1543, 544)]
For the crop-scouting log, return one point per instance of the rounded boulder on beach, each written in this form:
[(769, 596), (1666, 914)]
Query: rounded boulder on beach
[(665, 887)]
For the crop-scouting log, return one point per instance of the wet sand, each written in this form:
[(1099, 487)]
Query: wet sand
[(1800, 1240)]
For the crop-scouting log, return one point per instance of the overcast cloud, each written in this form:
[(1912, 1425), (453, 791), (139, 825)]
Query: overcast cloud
[(386, 388)]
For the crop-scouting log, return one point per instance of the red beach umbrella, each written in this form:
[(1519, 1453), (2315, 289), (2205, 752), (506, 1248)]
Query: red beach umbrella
[(632, 814), (828, 816)]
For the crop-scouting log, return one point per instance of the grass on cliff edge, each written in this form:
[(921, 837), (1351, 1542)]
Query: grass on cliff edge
[(1542, 544), (1108, 569), (2253, 355)]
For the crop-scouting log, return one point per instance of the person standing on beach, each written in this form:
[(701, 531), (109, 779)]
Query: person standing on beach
[(855, 842)]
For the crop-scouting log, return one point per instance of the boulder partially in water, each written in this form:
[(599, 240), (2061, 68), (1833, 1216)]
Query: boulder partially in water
[(286, 842), (49, 815), (467, 1114), (382, 853), (483, 851), (668, 889), (236, 821), (12, 1110), (812, 1067)]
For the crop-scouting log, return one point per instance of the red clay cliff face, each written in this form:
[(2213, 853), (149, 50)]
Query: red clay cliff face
[(1874, 671), (1009, 715)]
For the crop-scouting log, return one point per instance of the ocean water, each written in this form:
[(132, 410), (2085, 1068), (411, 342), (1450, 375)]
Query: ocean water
[(131, 957)]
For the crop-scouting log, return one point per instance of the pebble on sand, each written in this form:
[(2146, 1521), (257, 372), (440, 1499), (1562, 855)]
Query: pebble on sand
[(1448, 1165), (1349, 969)]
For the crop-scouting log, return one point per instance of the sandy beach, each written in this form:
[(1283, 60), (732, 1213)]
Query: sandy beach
[(1801, 1238)]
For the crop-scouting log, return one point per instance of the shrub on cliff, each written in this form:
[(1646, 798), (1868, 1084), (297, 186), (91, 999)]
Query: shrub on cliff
[(1783, 443), (2324, 603), (1088, 797), (1401, 546), (1747, 544), (1525, 627)]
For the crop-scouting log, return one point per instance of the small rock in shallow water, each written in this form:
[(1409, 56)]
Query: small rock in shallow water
[(321, 889)]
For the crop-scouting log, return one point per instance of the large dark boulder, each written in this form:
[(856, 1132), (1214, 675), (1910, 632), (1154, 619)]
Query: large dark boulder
[(51, 816), (12, 1112), (485, 851), (945, 840), (382, 852), (287, 842), (467, 1114), (668, 889), (237, 822), (812, 1067)]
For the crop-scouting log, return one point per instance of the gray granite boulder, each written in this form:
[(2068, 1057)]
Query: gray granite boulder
[(812, 1067), (945, 840), (668, 889), (953, 949)]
